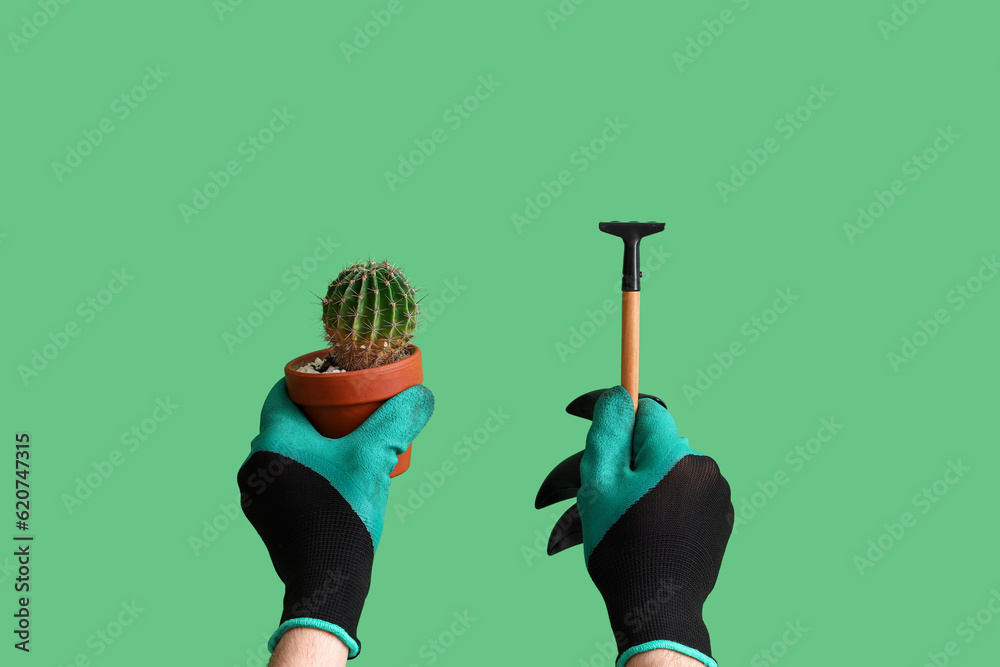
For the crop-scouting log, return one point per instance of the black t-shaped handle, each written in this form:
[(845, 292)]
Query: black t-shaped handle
[(631, 233)]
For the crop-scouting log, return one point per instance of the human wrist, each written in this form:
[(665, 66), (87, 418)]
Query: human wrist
[(663, 653), (662, 658), (307, 646)]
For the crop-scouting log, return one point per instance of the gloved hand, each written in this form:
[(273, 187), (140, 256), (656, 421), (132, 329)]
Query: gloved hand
[(654, 517), (319, 504)]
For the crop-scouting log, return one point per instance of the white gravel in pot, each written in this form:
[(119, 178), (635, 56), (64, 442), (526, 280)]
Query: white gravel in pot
[(317, 363)]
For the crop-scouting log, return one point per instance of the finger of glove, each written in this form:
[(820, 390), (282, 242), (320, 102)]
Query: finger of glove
[(564, 480), (279, 412), (583, 405), (560, 484), (568, 532), (283, 427), (609, 442), (656, 443), (393, 426)]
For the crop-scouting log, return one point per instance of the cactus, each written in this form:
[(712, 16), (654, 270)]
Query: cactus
[(369, 314)]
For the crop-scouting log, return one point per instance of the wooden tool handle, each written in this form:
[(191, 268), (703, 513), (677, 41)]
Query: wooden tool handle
[(630, 345)]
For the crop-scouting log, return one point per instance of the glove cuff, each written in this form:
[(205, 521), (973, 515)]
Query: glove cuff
[(353, 648), (673, 646)]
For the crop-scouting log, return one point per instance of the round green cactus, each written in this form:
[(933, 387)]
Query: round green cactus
[(369, 314)]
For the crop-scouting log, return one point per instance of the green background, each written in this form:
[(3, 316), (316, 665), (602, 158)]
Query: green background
[(520, 293)]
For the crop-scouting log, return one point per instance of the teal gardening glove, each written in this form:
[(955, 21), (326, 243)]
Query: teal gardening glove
[(654, 518), (319, 504)]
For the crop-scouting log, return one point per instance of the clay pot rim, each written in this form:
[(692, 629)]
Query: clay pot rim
[(347, 388), (378, 370)]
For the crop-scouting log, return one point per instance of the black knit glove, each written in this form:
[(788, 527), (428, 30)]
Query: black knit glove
[(654, 517), (319, 504)]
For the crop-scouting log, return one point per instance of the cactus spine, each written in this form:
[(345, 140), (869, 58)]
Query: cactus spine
[(369, 314)]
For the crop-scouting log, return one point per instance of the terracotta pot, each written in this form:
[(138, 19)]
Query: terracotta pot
[(338, 403)]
